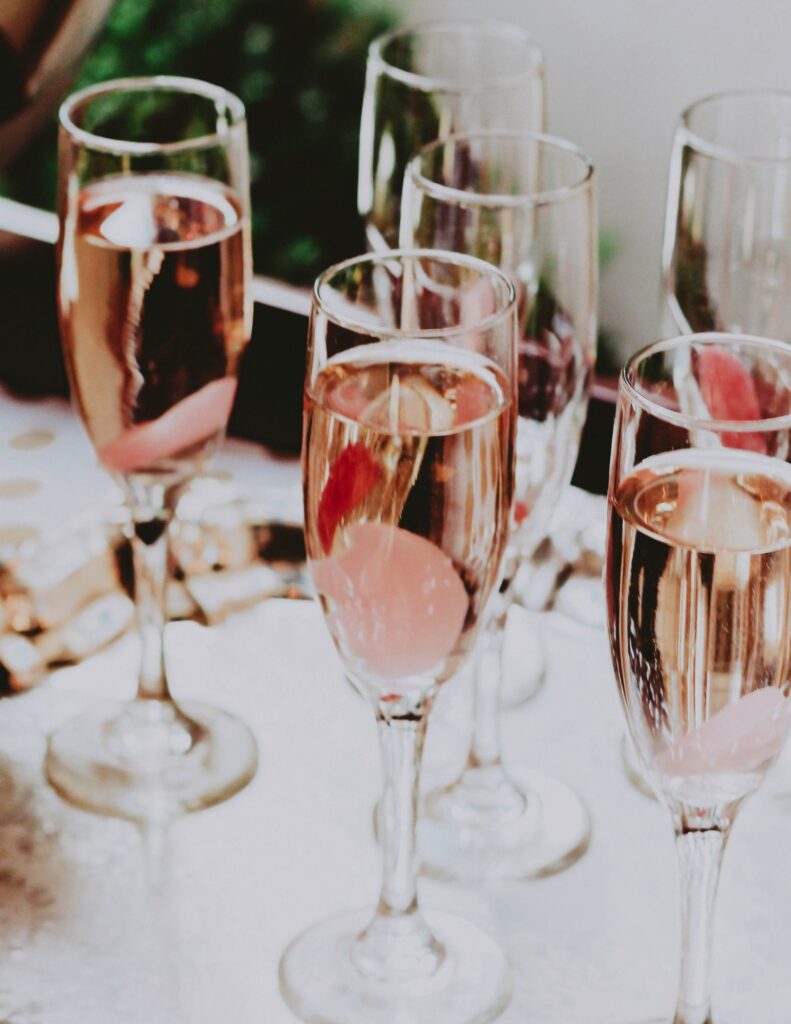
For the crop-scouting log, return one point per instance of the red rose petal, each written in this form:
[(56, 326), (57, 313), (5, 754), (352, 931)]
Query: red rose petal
[(352, 476), (520, 512), (729, 392)]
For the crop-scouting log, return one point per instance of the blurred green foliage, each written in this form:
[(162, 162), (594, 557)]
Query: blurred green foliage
[(299, 67), (608, 359)]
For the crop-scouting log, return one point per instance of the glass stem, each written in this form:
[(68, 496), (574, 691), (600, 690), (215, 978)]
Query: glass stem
[(401, 741), (397, 944), (484, 771), (485, 747), (150, 556), (699, 854)]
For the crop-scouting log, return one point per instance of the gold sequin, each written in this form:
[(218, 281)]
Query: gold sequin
[(18, 488), (11, 536), (32, 439)]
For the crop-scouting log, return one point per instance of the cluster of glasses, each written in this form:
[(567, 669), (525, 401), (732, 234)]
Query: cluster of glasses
[(446, 387)]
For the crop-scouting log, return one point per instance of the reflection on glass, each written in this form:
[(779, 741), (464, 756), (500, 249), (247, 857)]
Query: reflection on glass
[(429, 81), (727, 249)]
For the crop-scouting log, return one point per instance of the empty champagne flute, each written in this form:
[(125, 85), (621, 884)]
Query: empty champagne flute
[(698, 580), (155, 312), (727, 247), (408, 477), (431, 80), (526, 203)]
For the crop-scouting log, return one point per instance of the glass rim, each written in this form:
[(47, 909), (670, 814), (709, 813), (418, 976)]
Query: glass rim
[(429, 83), (170, 83), (401, 256), (729, 154), (545, 197), (628, 386)]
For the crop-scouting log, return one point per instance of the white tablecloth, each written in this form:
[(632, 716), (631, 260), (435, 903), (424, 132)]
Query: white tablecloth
[(96, 928), (49, 473), (102, 925)]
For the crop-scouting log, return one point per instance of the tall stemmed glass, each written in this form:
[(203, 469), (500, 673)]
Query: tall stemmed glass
[(431, 80), (726, 256), (727, 248), (526, 203), (155, 312), (408, 478), (699, 595), (423, 83)]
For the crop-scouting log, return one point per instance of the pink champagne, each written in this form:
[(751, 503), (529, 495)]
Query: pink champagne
[(154, 316), (408, 484), (699, 602)]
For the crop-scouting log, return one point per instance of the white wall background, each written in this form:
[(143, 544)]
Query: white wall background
[(619, 73)]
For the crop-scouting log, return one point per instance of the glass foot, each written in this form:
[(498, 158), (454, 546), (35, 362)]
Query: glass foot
[(322, 984), (633, 771), (149, 761), (535, 827)]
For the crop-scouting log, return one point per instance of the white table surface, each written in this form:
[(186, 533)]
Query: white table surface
[(101, 925)]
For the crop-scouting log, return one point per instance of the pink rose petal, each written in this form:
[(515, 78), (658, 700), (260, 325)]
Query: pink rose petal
[(396, 601), (740, 738), (729, 392), (189, 421)]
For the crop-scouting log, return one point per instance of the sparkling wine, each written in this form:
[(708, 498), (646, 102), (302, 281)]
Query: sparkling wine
[(408, 467), (699, 603), (154, 317)]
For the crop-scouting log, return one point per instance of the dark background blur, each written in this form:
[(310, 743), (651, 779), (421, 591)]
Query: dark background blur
[(299, 67)]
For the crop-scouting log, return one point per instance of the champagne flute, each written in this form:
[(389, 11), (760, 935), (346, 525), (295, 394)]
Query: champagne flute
[(726, 257), (408, 479), (425, 82), (698, 579), (428, 81), (155, 312), (727, 246), (527, 203)]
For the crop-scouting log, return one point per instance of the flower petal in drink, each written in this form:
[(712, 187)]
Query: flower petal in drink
[(190, 421), (394, 599), (729, 392), (352, 476), (742, 737)]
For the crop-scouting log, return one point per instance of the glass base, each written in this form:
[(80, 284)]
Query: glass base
[(531, 827), (148, 760), (633, 771), (321, 983)]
